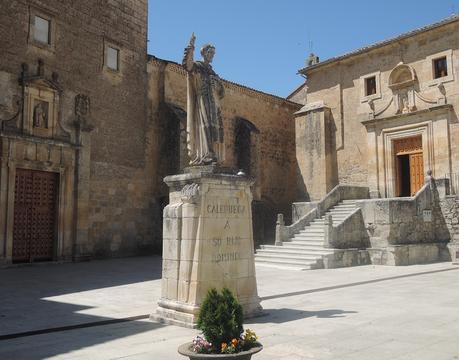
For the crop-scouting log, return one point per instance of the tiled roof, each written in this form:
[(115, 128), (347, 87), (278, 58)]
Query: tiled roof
[(448, 20)]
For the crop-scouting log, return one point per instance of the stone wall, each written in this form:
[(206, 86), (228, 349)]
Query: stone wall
[(339, 86), (273, 163), (117, 207), (450, 210)]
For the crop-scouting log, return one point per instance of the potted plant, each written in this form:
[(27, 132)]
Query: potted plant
[(223, 337)]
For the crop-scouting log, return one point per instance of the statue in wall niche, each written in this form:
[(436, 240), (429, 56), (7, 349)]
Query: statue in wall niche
[(204, 118), (40, 115)]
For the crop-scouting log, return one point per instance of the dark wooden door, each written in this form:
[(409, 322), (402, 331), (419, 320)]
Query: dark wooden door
[(35, 215)]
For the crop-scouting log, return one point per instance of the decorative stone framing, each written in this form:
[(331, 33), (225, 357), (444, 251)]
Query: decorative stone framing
[(449, 61), (47, 15), (365, 98), (61, 160), (41, 94), (401, 76), (389, 136), (431, 124)]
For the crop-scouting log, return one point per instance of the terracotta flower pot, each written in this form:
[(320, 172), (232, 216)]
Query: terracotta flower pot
[(187, 350)]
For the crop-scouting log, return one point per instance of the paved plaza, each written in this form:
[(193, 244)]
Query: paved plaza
[(98, 310)]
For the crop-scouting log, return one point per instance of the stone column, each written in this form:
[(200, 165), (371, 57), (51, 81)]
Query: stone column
[(207, 242), (373, 162), (315, 150)]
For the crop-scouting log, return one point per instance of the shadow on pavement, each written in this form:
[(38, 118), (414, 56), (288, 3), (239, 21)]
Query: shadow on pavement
[(279, 316), (48, 345), (24, 303), (31, 320)]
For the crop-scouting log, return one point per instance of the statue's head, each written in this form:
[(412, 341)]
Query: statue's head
[(208, 52)]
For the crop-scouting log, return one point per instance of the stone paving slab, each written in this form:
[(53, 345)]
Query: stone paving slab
[(369, 312)]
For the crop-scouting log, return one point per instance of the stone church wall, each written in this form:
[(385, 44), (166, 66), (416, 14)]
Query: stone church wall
[(273, 162), (114, 186), (340, 86)]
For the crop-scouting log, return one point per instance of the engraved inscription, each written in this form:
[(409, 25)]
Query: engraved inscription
[(226, 249), (225, 209)]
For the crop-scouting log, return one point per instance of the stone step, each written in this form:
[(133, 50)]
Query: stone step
[(316, 244), (286, 249), (286, 262), (340, 211), (344, 206), (316, 225), (304, 237), (310, 230), (339, 217), (283, 256), (348, 201), (284, 266)]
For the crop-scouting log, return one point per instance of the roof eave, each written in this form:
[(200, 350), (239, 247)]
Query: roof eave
[(380, 44)]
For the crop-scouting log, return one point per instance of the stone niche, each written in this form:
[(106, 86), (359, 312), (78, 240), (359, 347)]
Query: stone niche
[(207, 242)]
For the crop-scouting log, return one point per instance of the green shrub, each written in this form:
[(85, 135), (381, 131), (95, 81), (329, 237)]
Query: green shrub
[(220, 318)]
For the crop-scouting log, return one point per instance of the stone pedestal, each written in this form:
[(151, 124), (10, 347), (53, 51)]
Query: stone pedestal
[(207, 242)]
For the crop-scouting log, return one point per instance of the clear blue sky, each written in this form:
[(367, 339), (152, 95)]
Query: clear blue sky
[(263, 43)]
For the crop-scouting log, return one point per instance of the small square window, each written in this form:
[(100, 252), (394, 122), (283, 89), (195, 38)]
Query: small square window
[(113, 58), (440, 67), (41, 31), (370, 86)]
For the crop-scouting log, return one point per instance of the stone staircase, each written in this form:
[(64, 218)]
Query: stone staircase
[(306, 249)]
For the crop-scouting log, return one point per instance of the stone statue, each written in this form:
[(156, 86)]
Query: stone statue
[(40, 116), (204, 119)]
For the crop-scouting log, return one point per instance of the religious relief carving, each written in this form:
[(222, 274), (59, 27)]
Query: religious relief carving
[(40, 114), (406, 98), (404, 101), (82, 108), (81, 105), (204, 118)]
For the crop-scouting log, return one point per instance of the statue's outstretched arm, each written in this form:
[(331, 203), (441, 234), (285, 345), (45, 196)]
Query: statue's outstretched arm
[(189, 54)]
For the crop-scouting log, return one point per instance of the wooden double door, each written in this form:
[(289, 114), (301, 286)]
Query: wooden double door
[(409, 160), (35, 215)]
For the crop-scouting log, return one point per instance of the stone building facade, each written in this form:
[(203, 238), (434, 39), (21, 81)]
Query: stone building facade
[(370, 114), (90, 125), (378, 155)]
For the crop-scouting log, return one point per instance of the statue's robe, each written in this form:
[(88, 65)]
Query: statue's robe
[(204, 119)]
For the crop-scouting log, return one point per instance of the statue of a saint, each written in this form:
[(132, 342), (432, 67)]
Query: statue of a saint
[(204, 119), (40, 117)]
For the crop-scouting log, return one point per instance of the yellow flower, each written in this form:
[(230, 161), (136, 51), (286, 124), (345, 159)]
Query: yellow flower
[(234, 342), (250, 335), (224, 346)]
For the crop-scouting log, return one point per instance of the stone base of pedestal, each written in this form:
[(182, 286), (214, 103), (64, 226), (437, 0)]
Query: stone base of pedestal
[(171, 313), (207, 243)]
